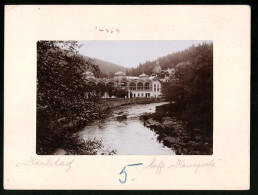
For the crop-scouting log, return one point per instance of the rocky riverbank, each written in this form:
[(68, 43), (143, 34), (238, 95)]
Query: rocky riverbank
[(175, 134)]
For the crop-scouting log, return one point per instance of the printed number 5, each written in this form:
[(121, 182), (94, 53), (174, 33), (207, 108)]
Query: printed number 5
[(123, 171)]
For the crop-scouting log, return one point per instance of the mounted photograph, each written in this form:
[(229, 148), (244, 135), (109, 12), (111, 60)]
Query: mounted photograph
[(124, 97)]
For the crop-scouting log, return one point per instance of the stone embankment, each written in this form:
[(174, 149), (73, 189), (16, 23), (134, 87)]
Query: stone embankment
[(107, 104)]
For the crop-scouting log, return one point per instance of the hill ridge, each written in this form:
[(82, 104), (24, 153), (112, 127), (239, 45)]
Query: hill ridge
[(106, 67)]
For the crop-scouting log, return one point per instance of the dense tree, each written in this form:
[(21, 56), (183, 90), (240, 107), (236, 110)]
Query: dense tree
[(61, 89), (194, 88), (120, 93)]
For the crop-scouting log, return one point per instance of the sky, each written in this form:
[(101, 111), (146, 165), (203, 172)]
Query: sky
[(131, 53)]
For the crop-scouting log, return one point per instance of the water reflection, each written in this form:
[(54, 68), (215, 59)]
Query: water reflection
[(124, 132)]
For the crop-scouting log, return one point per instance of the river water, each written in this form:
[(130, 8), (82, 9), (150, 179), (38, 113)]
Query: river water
[(127, 135)]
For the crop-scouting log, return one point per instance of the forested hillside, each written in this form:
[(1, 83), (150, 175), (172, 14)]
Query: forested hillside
[(106, 68), (165, 62)]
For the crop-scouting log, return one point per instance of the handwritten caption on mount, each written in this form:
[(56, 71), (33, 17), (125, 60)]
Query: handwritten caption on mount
[(160, 165), (155, 164), (50, 162)]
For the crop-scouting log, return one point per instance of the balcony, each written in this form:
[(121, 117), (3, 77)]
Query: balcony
[(140, 89)]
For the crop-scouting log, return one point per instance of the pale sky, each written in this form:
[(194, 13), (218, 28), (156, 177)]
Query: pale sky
[(131, 53)]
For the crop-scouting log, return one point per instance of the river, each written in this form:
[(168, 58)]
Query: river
[(125, 133)]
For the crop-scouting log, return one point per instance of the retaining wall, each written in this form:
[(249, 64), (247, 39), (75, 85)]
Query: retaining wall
[(112, 103)]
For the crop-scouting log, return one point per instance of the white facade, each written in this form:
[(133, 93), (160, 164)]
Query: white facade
[(137, 87), (144, 87)]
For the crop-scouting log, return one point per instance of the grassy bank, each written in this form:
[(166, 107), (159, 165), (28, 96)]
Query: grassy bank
[(176, 129)]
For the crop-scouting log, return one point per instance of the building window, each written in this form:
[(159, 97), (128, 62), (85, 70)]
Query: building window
[(142, 94), (138, 95), (147, 86), (140, 86), (154, 87), (132, 86)]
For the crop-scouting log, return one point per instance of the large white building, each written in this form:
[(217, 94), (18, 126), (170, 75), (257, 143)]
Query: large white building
[(143, 86)]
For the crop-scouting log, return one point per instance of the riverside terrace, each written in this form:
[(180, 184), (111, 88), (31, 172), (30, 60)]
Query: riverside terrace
[(143, 86)]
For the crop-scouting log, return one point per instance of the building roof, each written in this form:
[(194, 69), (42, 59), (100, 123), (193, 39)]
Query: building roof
[(183, 63), (132, 77), (88, 73), (154, 78), (170, 70), (156, 69), (143, 75), (120, 73)]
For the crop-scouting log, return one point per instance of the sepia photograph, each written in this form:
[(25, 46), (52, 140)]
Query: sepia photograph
[(127, 97), (124, 98)]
